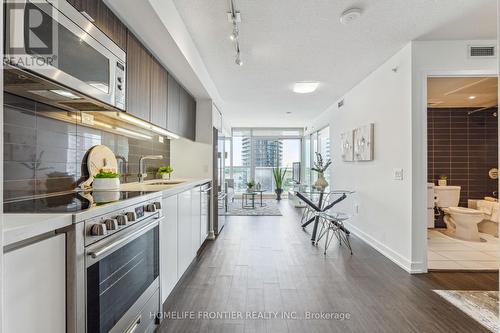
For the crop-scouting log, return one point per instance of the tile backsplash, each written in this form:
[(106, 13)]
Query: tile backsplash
[(464, 148), (43, 155)]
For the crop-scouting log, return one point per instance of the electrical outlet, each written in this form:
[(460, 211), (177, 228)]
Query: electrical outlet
[(160, 139), (356, 208), (398, 174)]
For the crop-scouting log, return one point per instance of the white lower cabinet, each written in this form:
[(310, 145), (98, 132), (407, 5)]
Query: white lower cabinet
[(181, 235), (35, 287), (168, 247), (195, 219), (184, 232), (204, 216)]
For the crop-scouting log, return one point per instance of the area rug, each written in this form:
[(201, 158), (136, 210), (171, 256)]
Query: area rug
[(482, 306), (270, 208)]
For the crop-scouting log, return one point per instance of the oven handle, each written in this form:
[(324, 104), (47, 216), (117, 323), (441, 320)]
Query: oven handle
[(106, 248), (134, 326)]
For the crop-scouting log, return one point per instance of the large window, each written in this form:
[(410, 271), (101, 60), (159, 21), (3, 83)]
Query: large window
[(256, 152), (316, 142), (242, 145)]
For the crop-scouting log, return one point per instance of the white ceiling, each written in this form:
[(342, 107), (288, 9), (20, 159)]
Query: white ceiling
[(283, 41)]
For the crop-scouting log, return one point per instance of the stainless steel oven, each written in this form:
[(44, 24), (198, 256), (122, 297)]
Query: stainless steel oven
[(122, 275), (50, 39), (113, 267)]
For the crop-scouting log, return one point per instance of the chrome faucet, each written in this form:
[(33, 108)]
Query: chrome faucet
[(122, 167), (143, 174)]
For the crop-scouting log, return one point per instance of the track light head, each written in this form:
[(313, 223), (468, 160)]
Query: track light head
[(238, 60), (235, 34)]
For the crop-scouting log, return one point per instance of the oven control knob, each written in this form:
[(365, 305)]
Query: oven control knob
[(151, 208), (122, 219), (131, 216), (157, 204), (111, 224), (98, 229)]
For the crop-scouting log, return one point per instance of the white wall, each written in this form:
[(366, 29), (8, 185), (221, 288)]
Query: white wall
[(434, 58), (190, 159), (384, 204)]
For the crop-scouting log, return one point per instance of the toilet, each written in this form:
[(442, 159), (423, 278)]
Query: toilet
[(461, 222)]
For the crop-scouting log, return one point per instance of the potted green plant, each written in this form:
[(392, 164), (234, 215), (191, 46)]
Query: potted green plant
[(165, 171), (106, 180), (250, 185), (443, 180), (279, 178)]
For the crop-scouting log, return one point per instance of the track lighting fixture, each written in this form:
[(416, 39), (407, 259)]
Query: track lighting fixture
[(235, 34), (234, 17), (238, 60)]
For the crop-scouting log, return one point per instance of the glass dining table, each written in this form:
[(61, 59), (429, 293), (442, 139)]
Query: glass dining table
[(320, 202)]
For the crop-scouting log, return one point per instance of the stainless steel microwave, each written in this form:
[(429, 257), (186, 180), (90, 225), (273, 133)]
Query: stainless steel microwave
[(54, 54)]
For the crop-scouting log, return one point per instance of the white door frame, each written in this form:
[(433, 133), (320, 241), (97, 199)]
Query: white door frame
[(421, 190)]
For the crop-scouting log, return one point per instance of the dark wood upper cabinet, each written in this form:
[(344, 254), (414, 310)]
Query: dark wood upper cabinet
[(187, 119), (173, 105), (159, 100), (104, 19), (139, 63), (152, 93), (183, 103), (191, 118)]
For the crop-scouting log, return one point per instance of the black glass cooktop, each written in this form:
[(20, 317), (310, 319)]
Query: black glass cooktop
[(73, 202)]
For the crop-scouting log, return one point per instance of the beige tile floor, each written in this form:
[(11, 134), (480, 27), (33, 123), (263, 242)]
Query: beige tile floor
[(446, 253)]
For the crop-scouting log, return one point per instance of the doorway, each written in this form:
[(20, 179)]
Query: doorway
[(462, 174)]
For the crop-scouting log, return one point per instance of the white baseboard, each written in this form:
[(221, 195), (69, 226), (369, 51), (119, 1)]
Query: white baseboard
[(404, 263)]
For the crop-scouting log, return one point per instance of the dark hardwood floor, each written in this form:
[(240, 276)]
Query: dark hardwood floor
[(267, 264)]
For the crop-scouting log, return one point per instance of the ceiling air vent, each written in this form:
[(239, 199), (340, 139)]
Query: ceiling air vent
[(481, 51)]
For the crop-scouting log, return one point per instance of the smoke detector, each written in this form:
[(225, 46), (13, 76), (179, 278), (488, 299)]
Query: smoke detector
[(350, 15)]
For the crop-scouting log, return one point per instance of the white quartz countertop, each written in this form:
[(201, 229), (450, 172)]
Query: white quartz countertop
[(19, 227), (167, 189)]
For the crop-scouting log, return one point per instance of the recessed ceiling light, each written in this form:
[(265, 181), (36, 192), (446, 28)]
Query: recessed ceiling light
[(472, 97), (289, 112), (305, 87), (350, 15)]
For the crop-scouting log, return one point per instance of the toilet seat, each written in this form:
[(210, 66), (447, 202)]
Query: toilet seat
[(464, 210)]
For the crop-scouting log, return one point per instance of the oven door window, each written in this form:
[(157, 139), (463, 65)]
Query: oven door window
[(119, 279)]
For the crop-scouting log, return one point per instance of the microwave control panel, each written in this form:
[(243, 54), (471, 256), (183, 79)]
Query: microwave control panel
[(120, 85)]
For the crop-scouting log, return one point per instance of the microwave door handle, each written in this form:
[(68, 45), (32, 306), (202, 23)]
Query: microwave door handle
[(106, 248)]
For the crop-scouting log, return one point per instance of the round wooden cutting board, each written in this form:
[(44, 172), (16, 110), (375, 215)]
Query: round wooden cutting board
[(99, 158)]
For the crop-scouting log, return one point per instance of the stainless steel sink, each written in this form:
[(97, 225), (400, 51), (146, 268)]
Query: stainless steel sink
[(166, 182)]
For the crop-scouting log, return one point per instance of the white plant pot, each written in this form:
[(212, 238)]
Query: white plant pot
[(105, 184), (105, 196), (165, 176), (442, 182)]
